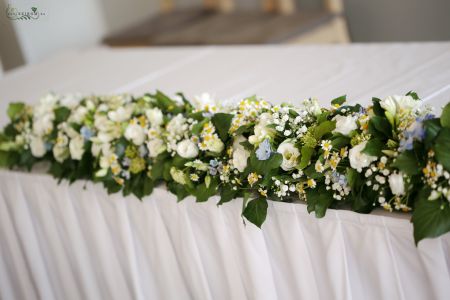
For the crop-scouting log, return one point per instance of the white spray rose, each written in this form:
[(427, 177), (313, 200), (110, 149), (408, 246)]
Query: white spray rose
[(290, 155), (155, 116), (204, 102), (37, 146), (155, 147), (76, 147), (187, 149), (135, 133), (358, 159), (121, 114), (78, 115), (177, 126), (240, 154), (396, 184), (215, 145), (60, 153), (345, 124)]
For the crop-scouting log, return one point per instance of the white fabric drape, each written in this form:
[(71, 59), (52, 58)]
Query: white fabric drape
[(77, 242)]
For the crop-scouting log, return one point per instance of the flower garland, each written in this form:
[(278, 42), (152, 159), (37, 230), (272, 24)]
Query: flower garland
[(394, 153)]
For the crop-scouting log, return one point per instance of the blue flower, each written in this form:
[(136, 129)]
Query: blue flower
[(406, 144), (86, 133), (213, 163), (264, 150), (212, 171)]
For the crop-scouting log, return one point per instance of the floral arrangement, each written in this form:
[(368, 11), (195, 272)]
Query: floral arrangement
[(394, 153)]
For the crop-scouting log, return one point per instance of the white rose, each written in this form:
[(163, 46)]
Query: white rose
[(155, 147), (240, 154), (76, 147), (290, 155), (95, 149), (37, 146), (135, 133), (187, 149), (215, 145), (121, 114), (358, 159), (389, 104), (396, 184), (345, 124), (155, 116)]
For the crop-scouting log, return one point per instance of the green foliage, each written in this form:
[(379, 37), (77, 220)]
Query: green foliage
[(222, 123), (14, 110), (255, 211), (318, 200), (374, 147), (442, 148), (339, 100), (407, 163), (324, 128), (430, 218), (380, 127), (263, 166), (445, 116), (61, 114)]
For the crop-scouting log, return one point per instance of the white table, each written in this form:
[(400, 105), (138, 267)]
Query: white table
[(66, 242)]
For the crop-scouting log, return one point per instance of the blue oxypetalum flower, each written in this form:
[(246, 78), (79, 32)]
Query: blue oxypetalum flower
[(86, 133), (264, 150), (213, 163), (212, 171)]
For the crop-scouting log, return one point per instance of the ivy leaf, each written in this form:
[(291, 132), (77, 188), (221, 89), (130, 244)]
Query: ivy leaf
[(430, 218), (203, 192), (178, 190), (407, 163), (307, 153), (165, 103), (263, 166), (318, 201), (255, 211), (445, 116), (377, 109), (374, 147), (339, 100), (14, 110), (442, 148), (222, 123), (340, 141), (413, 95), (432, 128)]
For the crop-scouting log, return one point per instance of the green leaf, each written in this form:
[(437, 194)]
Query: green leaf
[(263, 166), (318, 200), (324, 128), (222, 123), (381, 125), (413, 95), (445, 116), (340, 141), (227, 194), (407, 163), (373, 147), (61, 114), (203, 192), (255, 211), (377, 109), (430, 218), (432, 128), (178, 190), (165, 103), (442, 148), (306, 154), (339, 100), (15, 109)]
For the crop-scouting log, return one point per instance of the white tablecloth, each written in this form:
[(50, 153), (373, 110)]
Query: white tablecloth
[(71, 242)]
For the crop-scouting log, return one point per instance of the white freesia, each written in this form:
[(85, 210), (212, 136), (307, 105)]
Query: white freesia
[(178, 176), (187, 149), (261, 131), (121, 114), (155, 116), (135, 133), (155, 147), (71, 100), (358, 159), (397, 184), (76, 147), (240, 154), (37, 146), (398, 104), (345, 124), (290, 155), (45, 106)]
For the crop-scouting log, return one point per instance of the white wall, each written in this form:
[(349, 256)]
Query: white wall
[(69, 24)]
